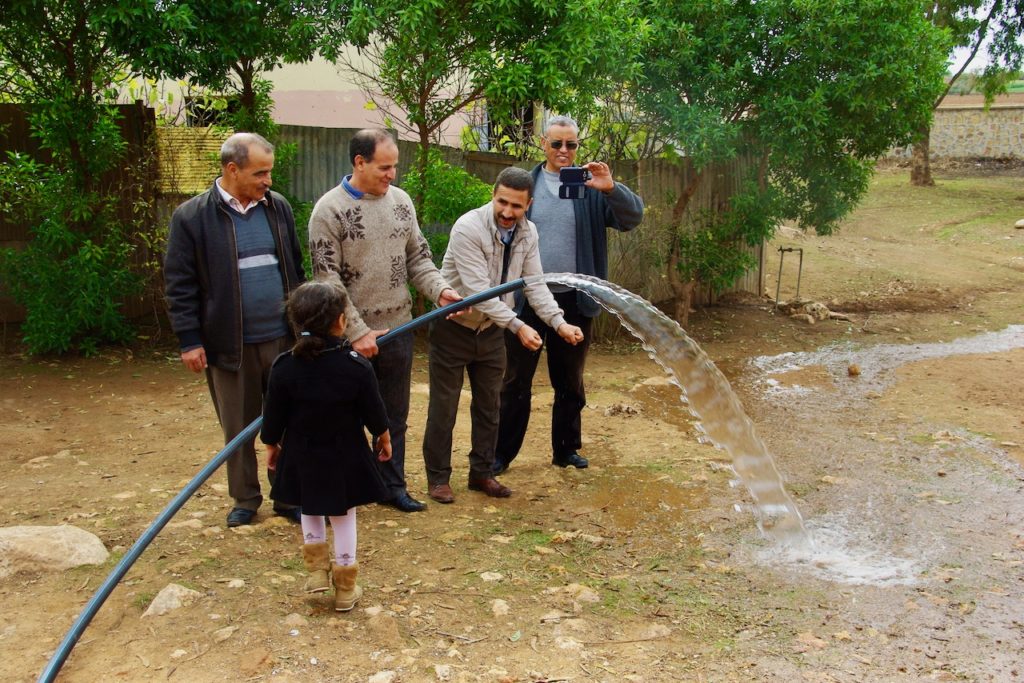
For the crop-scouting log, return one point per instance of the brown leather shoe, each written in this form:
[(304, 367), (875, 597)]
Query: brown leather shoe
[(442, 493), (491, 487)]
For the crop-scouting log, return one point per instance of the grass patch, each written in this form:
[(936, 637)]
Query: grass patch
[(292, 564), (143, 599), (528, 539)]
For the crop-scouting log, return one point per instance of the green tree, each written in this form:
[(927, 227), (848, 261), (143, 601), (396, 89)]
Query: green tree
[(227, 45), (806, 92), (434, 58), (969, 25), (61, 59)]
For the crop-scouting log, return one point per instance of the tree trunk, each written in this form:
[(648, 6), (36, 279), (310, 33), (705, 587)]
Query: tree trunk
[(247, 96), (422, 161), (920, 162), (682, 292)]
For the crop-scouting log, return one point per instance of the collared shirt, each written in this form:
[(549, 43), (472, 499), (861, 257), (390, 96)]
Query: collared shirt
[(356, 194), (506, 235), (234, 203)]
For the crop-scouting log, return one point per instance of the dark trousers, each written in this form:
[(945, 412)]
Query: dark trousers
[(453, 350), (393, 367), (565, 369), (238, 399)]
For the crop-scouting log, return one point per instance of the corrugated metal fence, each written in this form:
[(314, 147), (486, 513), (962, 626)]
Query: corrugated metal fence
[(636, 259), (660, 182), (322, 159), (633, 257)]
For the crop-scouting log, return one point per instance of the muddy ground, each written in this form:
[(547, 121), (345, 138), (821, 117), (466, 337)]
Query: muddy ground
[(901, 445)]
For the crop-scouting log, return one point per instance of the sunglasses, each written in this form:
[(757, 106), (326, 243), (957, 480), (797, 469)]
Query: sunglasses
[(569, 144)]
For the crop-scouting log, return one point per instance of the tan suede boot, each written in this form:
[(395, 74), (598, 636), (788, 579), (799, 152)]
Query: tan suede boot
[(318, 563), (346, 592)]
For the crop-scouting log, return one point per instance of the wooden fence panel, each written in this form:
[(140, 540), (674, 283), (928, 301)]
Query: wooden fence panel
[(134, 180)]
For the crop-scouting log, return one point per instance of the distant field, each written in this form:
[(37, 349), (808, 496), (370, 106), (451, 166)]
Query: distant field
[(958, 234)]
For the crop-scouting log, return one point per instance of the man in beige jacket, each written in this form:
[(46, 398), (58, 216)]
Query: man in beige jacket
[(487, 246)]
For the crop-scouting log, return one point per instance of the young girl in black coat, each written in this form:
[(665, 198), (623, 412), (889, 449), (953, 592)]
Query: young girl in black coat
[(321, 395)]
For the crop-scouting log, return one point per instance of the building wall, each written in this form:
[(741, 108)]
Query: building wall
[(321, 94), (971, 131)]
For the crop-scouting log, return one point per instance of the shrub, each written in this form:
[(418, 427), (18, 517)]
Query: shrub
[(447, 192), (74, 274)]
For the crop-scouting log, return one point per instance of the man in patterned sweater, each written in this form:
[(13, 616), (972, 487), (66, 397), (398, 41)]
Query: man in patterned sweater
[(363, 233)]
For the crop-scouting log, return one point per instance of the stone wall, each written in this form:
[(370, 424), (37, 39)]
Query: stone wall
[(972, 132)]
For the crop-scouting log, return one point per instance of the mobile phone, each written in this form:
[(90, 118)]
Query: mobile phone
[(572, 179)]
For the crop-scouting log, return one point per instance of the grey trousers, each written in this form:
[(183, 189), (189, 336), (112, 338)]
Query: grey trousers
[(238, 399), (453, 350)]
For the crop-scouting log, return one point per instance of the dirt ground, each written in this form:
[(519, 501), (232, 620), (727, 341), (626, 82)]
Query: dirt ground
[(898, 433)]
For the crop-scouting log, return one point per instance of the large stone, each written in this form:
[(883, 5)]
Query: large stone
[(48, 548), (1019, 224), (172, 597)]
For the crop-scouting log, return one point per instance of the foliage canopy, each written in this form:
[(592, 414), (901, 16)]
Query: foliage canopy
[(434, 59), (809, 91)]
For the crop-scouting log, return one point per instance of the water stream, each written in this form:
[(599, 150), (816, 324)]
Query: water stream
[(709, 398)]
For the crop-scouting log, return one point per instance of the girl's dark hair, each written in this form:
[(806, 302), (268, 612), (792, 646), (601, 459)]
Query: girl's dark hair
[(313, 308)]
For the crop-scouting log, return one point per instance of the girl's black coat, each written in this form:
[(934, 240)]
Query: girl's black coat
[(317, 410)]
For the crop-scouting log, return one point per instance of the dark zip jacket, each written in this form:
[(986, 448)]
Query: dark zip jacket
[(201, 282), (595, 212)]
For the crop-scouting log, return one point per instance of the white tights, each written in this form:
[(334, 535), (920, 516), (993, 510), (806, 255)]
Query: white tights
[(315, 531)]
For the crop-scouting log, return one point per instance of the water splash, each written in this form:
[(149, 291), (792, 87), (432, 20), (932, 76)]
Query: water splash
[(707, 395), (844, 551)]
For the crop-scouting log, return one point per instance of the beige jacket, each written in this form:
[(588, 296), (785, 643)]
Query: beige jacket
[(473, 263)]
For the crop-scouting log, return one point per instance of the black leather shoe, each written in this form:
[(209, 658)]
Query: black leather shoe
[(574, 459), (292, 514), (406, 503), (499, 467), (240, 517)]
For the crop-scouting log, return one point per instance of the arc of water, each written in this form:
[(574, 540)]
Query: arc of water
[(707, 395)]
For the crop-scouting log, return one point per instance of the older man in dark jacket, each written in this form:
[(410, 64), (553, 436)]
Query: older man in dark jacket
[(232, 258)]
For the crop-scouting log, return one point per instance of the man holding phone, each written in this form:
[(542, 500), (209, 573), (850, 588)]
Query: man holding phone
[(573, 239)]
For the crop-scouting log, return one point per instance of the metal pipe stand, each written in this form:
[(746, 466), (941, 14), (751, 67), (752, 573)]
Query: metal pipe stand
[(799, 272)]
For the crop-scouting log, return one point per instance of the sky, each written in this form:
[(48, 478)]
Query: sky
[(960, 55)]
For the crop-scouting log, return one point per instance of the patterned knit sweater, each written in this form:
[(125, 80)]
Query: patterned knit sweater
[(374, 247)]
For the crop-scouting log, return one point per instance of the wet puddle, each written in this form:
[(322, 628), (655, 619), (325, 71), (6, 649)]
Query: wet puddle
[(870, 368), (842, 552), (855, 541), (835, 546)]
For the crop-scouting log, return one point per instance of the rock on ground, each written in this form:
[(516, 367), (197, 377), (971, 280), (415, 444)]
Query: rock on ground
[(48, 548), (172, 597)]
